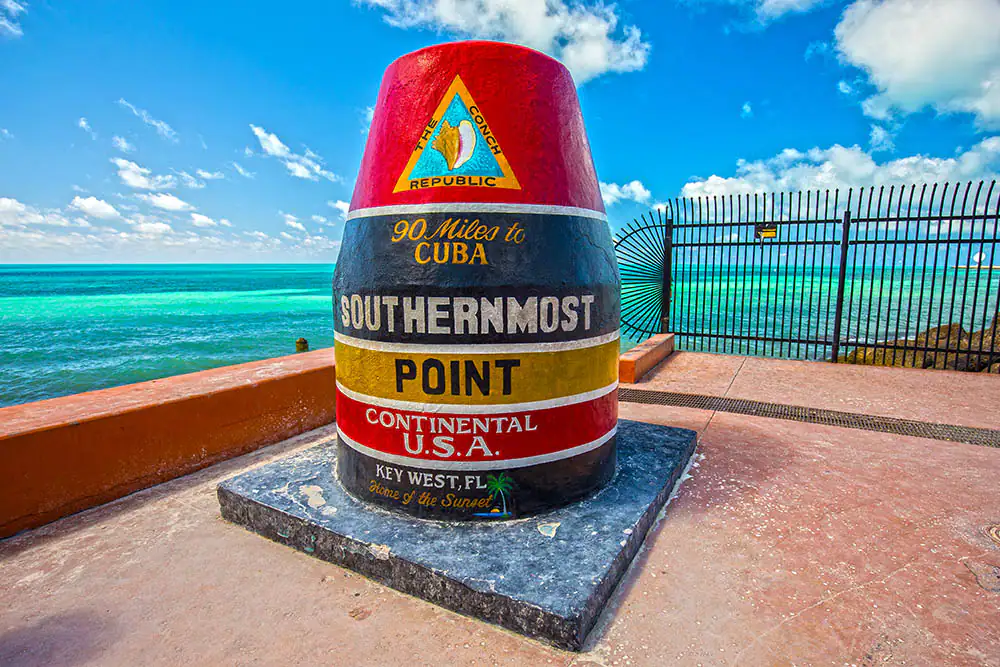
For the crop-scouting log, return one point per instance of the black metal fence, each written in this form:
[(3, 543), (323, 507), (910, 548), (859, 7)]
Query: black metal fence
[(902, 275)]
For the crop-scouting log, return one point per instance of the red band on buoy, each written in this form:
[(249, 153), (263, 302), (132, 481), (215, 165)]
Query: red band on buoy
[(505, 436), (535, 131)]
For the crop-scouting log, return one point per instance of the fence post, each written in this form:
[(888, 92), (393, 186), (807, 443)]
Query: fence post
[(665, 280), (838, 317)]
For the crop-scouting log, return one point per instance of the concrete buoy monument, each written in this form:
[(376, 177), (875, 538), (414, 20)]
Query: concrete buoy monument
[(476, 298), (479, 462)]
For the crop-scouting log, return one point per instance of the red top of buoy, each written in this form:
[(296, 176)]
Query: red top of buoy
[(477, 122)]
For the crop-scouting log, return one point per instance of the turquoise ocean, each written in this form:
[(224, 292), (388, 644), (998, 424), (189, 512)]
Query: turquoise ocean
[(65, 329)]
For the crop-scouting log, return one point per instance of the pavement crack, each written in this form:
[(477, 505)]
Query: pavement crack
[(819, 603), (735, 375)]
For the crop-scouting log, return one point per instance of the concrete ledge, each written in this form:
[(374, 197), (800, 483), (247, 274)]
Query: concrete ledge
[(67, 454), (643, 357)]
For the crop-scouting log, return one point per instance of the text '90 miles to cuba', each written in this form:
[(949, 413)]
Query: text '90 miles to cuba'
[(454, 240)]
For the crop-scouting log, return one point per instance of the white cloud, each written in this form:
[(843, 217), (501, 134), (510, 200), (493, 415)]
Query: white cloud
[(199, 220), (122, 144), (141, 178), (772, 9), (583, 35), (746, 111), (316, 244), (161, 127), (95, 208), (293, 222), (341, 206), (844, 87), (299, 171), (189, 181), (50, 235), (612, 193), (286, 235), (763, 12), (5, 134), (942, 54), (877, 107), (840, 167), (308, 165), (210, 175), (17, 244), (152, 228), (881, 139), (167, 202), (85, 126), (16, 214), (320, 220), (9, 17), (241, 171), (270, 143)]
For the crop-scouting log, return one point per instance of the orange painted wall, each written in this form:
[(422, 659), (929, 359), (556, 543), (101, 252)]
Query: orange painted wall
[(641, 359), (67, 454)]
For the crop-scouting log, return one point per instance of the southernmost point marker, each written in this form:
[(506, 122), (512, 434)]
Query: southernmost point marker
[(476, 311), (476, 298)]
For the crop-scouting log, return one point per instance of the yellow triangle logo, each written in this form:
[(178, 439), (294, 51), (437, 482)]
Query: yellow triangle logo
[(457, 148)]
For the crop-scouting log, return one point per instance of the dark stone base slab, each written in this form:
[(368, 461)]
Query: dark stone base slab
[(548, 576)]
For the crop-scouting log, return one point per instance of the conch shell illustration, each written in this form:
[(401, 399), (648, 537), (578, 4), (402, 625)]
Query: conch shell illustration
[(456, 144)]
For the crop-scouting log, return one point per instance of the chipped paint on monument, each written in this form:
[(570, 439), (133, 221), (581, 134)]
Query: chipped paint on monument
[(313, 494), (549, 529)]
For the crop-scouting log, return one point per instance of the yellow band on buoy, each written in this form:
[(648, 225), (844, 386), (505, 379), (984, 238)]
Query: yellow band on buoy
[(476, 379)]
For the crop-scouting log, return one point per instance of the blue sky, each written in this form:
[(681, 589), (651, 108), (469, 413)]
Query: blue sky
[(231, 131)]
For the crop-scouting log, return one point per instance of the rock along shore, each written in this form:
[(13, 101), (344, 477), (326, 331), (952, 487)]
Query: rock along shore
[(952, 348)]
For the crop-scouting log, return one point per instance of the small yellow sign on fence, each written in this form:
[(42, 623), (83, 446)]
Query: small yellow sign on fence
[(767, 230)]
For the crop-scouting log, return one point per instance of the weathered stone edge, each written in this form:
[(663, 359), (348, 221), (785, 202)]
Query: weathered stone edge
[(602, 592), (398, 573)]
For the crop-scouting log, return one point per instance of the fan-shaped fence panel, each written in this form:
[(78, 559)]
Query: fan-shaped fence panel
[(643, 262)]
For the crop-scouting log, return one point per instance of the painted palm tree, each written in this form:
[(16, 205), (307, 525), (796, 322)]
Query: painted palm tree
[(501, 484)]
